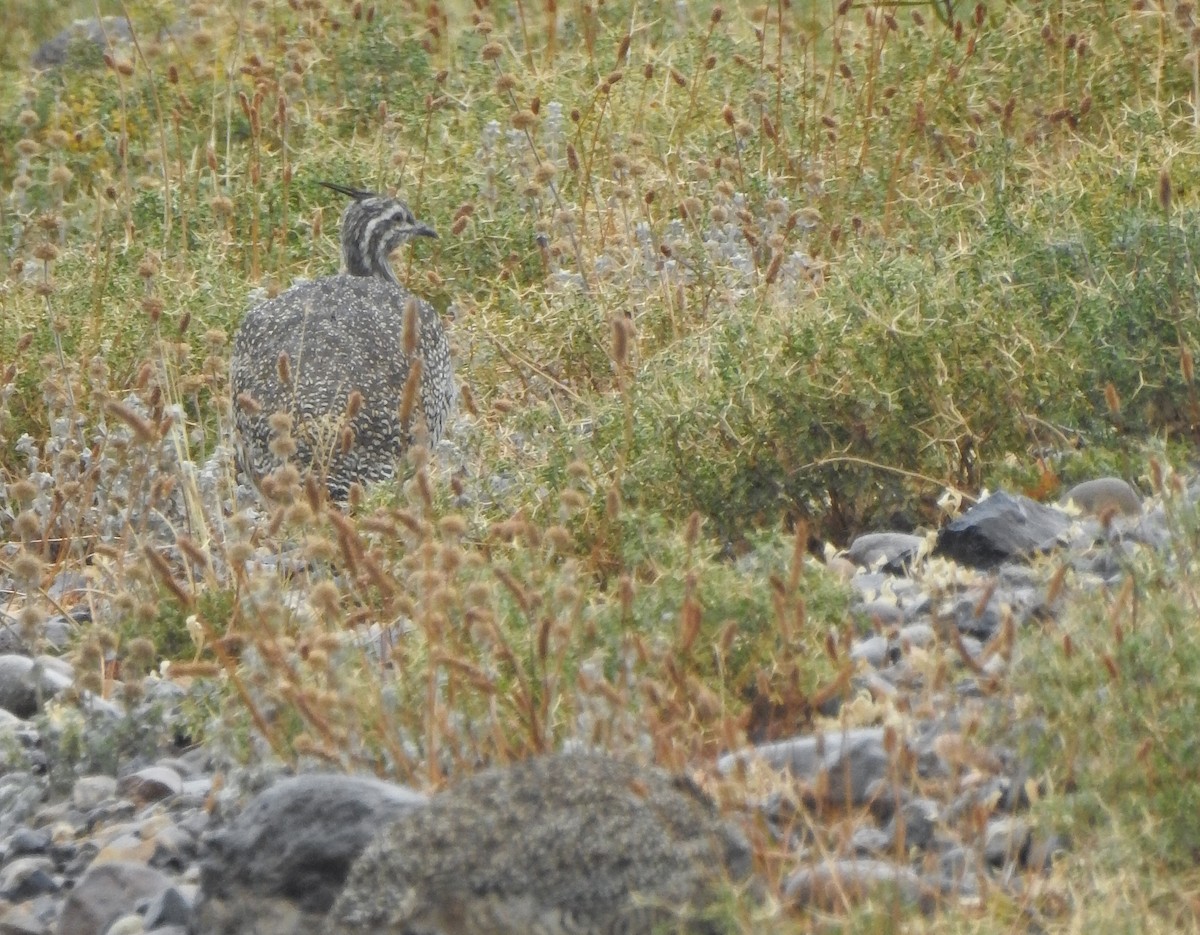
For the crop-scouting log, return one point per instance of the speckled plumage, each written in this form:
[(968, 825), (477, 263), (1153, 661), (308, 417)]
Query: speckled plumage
[(343, 334), (568, 844)]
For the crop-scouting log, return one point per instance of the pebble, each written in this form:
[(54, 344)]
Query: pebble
[(1105, 495), (153, 842)]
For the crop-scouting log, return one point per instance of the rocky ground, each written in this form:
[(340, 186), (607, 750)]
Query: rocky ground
[(112, 821)]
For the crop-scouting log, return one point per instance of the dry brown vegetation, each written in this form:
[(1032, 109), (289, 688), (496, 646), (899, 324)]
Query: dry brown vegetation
[(719, 278)]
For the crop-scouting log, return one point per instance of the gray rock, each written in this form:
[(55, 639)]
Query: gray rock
[(879, 613), (11, 641), (1105, 495), (971, 619), (130, 924), (893, 552), (174, 849), (839, 768), (150, 784), (840, 884), (28, 841), (20, 795), (279, 866), (106, 893), (25, 683), (1044, 850), (869, 840), (170, 907), (99, 33), (873, 651), (1002, 527), (917, 634), (1006, 841), (17, 920), (90, 792), (568, 842), (27, 877), (958, 867), (919, 818)]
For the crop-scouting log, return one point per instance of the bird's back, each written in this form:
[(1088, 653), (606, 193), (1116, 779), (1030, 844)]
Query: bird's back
[(340, 334)]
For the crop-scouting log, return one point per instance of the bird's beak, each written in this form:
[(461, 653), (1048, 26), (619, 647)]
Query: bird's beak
[(422, 231)]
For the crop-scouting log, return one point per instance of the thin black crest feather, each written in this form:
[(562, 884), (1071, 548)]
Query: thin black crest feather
[(357, 194)]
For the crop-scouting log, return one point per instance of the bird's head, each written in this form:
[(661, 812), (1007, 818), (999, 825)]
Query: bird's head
[(373, 226)]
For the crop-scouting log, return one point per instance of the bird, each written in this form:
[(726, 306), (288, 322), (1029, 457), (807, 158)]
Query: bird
[(571, 843), (341, 375)]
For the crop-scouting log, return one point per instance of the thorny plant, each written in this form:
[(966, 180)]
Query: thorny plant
[(707, 267)]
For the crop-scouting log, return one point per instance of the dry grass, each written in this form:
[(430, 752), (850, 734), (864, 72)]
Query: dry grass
[(714, 273)]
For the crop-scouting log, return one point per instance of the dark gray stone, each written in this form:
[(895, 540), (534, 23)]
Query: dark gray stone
[(1002, 527), (280, 864), (11, 642), (26, 841), (26, 877), (170, 907), (919, 819), (25, 683), (1006, 841)]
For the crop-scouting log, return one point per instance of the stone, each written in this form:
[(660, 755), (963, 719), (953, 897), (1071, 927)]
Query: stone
[(26, 877), (11, 642), (879, 613), (1006, 841), (170, 907), (90, 792), (26, 683), (918, 818), (1043, 850), (841, 884), (25, 840), (873, 651), (17, 921), (597, 842), (150, 784), (174, 849), (279, 865), (916, 634), (99, 33), (105, 894), (841, 568), (838, 767), (893, 552), (131, 924), (1002, 527), (125, 848), (1105, 495)]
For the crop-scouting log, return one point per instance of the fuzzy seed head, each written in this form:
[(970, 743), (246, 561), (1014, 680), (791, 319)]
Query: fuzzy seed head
[(27, 525), (27, 567)]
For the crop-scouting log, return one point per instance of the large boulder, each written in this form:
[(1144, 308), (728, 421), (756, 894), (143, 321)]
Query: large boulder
[(280, 864), (572, 842)]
